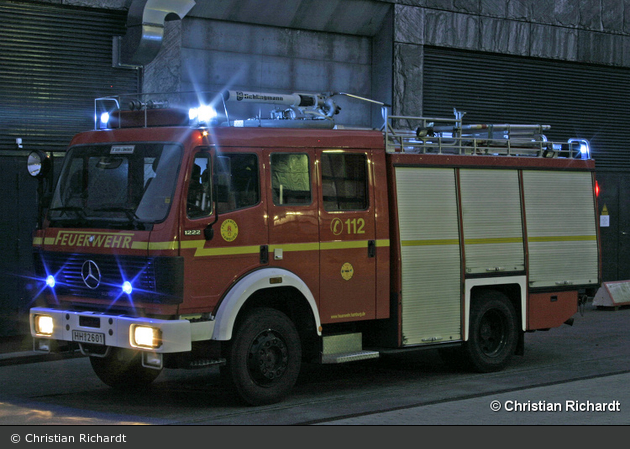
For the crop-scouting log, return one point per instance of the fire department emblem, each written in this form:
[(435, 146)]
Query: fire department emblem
[(347, 271), (229, 230)]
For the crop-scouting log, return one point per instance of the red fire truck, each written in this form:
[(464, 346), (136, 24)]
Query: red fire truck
[(181, 238)]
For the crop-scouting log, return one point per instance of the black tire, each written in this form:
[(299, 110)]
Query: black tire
[(494, 333), (264, 357), (122, 369)]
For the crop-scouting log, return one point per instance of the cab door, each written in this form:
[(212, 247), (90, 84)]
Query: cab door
[(221, 224), (292, 207), (347, 236)]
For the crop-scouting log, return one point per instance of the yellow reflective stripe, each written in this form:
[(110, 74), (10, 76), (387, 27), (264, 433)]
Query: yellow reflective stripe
[(352, 244), (200, 251), (155, 246), (430, 242), (38, 240), (488, 241), (564, 238), (163, 245), (547, 239), (225, 251), (295, 246), (49, 241)]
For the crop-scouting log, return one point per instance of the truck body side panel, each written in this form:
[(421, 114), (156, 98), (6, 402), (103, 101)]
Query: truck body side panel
[(430, 255), (561, 228), (488, 220)]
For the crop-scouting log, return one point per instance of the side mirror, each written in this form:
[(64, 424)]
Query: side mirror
[(38, 164)]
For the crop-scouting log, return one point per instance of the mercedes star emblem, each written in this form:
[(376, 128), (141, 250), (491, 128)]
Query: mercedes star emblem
[(91, 274)]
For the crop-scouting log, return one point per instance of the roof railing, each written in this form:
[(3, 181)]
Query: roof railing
[(430, 135)]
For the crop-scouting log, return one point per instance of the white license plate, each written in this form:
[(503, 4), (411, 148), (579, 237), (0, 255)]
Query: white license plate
[(94, 338)]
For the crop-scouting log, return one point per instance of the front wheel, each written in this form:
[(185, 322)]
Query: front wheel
[(264, 357), (122, 369), (494, 333)]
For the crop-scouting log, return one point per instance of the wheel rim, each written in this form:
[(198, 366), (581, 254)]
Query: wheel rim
[(267, 358), (492, 333)]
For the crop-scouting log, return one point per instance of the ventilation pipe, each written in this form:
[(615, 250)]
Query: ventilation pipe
[(145, 30)]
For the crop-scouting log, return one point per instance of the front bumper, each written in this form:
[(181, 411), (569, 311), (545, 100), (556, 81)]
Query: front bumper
[(101, 329)]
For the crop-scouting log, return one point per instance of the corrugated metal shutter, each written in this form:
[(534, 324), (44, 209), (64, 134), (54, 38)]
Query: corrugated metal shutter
[(53, 62), (561, 232), (431, 262), (577, 100), (492, 221)]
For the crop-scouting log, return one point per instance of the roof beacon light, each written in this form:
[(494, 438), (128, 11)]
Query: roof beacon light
[(104, 119), (202, 114), (584, 146)]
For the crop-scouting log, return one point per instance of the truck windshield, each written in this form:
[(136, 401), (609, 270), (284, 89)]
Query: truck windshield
[(116, 185)]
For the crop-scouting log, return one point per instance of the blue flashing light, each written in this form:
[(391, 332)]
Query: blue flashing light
[(203, 114), (584, 147), (127, 288), (104, 119), (50, 281)]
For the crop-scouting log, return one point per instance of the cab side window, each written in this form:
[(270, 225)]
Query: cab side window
[(290, 179), (199, 201), (344, 181), (238, 184)]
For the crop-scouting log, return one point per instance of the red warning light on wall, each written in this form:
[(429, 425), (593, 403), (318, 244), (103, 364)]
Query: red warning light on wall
[(596, 189)]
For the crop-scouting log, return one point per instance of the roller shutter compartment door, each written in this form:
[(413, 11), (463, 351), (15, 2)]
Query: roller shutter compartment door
[(492, 221), (561, 228), (430, 253)]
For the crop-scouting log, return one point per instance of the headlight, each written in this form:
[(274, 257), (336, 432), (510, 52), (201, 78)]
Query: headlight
[(43, 325), (146, 337)]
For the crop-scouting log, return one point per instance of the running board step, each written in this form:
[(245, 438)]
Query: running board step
[(350, 357), (345, 348)]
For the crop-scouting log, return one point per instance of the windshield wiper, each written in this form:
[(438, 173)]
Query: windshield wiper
[(76, 209), (128, 211)]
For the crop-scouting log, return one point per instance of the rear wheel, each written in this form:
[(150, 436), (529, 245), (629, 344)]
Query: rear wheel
[(494, 333), (122, 369), (264, 357)]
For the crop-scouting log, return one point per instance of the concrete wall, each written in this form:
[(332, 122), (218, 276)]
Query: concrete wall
[(594, 32), (342, 44), (208, 55)]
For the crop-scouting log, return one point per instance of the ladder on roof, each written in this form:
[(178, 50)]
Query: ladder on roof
[(428, 135)]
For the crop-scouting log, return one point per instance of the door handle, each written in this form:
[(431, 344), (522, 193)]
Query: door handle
[(371, 248), (264, 254)]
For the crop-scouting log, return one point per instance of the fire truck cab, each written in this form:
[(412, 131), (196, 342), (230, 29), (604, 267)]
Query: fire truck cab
[(187, 239)]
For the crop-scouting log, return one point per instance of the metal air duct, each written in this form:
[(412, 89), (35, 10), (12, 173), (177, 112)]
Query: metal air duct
[(145, 30)]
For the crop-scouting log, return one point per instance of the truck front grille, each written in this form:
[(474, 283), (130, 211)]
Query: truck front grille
[(102, 276)]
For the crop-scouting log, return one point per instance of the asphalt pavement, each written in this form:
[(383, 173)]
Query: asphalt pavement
[(597, 400)]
